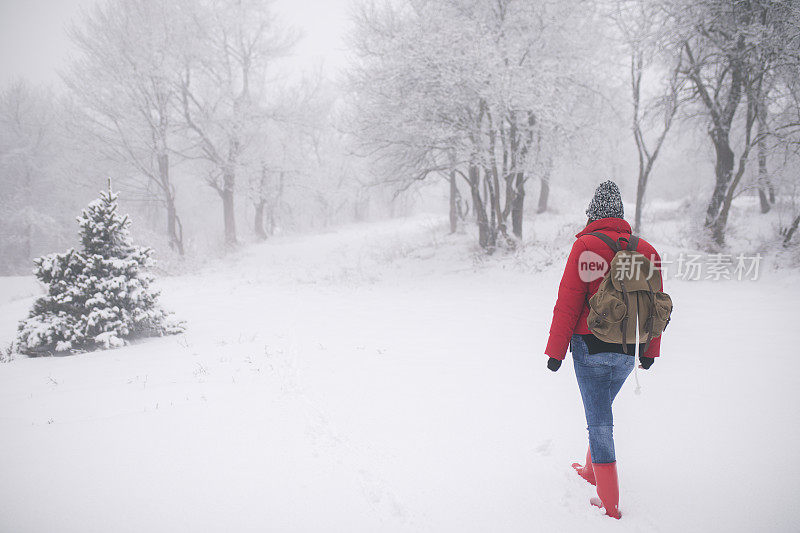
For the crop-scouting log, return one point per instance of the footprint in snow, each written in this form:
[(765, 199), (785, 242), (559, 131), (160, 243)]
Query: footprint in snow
[(545, 447)]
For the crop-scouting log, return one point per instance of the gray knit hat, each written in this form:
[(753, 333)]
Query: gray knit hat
[(607, 202)]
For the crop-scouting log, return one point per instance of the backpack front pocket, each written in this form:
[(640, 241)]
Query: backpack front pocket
[(662, 312), (606, 312)]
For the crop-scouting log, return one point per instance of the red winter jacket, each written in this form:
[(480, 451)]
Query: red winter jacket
[(570, 312)]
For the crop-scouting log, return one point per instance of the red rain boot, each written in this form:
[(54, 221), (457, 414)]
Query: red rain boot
[(586, 472), (607, 488)]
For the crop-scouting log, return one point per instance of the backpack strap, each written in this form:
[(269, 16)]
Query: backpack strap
[(631, 243), (649, 322), (624, 325), (606, 239)]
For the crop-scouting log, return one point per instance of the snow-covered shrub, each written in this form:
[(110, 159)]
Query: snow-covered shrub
[(98, 297)]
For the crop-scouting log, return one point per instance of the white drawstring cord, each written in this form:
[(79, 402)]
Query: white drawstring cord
[(638, 390)]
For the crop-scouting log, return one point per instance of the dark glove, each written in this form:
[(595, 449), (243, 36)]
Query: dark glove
[(553, 364), (647, 362)]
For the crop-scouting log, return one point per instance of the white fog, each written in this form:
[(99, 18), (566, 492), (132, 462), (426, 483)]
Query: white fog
[(387, 265)]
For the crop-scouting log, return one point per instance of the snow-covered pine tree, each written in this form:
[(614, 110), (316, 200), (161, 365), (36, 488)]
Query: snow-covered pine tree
[(99, 297)]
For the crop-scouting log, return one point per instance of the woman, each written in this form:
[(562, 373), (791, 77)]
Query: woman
[(601, 368)]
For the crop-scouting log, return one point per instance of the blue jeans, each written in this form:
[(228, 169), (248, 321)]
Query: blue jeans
[(600, 377)]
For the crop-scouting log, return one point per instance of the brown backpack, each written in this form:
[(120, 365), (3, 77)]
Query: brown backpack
[(627, 296)]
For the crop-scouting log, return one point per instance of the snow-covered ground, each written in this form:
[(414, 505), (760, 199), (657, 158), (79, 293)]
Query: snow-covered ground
[(385, 378)]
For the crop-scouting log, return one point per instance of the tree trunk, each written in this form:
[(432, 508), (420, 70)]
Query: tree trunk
[(720, 222), (454, 202), (723, 171), (484, 239), (486, 203), (174, 227), (791, 230), (544, 193), (764, 183), (498, 218), (762, 198), (228, 212), (641, 185), (258, 225), (637, 218), (518, 205)]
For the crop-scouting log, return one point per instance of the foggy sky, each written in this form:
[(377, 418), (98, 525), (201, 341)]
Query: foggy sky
[(33, 43)]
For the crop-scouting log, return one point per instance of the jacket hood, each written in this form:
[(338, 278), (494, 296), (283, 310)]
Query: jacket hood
[(612, 224)]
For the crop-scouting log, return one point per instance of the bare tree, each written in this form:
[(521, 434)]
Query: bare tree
[(125, 85), (730, 51), (30, 210), (469, 90), (228, 47), (641, 26)]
